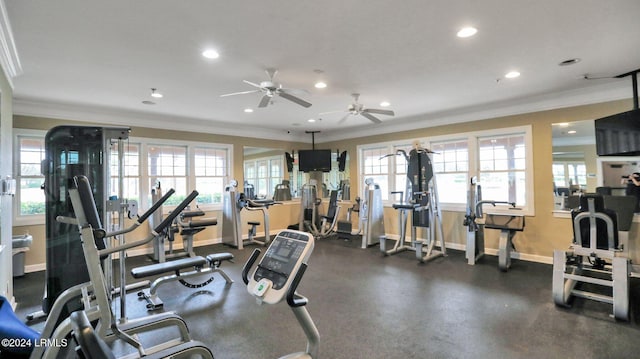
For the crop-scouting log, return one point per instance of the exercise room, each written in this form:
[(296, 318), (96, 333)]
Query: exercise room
[(337, 179)]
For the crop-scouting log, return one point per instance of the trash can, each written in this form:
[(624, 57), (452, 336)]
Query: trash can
[(20, 245)]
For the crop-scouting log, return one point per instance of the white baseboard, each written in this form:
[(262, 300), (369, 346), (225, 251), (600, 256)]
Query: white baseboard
[(178, 246)]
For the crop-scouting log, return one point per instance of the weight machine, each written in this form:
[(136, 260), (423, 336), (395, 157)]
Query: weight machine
[(476, 222), (596, 266), (232, 205), (424, 206)]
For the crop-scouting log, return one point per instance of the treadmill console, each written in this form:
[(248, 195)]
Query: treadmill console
[(277, 268)]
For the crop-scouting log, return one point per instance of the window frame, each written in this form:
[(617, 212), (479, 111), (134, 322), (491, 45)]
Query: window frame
[(269, 178), (472, 139), (143, 178), (19, 219)]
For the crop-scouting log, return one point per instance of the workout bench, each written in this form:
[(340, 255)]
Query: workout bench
[(201, 265)]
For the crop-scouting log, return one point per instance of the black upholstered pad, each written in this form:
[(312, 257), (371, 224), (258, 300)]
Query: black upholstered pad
[(218, 257), (171, 266)]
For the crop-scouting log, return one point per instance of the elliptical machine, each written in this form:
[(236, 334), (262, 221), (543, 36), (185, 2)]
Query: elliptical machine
[(278, 274)]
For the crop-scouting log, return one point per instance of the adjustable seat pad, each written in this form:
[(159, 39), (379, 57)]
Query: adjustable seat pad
[(171, 266), (219, 257)]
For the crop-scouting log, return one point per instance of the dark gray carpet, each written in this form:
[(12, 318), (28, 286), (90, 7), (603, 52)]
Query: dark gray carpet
[(369, 306)]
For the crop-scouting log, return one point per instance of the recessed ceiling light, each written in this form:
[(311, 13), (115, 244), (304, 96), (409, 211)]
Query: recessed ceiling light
[(385, 104), (311, 120), (320, 85), (569, 62), (467, 32), (210, 54), (571, 132), (563, 124), (155, 94), (512, 74), (248, 110)]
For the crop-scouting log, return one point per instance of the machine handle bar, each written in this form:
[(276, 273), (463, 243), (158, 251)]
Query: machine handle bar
[(156, 205), (176, 211), (293, 299), (249, 264)]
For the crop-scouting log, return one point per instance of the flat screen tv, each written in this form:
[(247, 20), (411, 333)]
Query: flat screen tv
[(618, 135), (314, 160)]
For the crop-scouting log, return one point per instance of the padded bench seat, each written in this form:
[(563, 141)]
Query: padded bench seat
[(219, 257), (171, 266)]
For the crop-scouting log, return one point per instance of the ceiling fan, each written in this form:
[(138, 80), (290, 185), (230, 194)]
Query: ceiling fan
[(357, 108), (269, 89)]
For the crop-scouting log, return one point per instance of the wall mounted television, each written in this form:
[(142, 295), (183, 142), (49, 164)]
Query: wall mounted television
[(618, 135), (314, 160)]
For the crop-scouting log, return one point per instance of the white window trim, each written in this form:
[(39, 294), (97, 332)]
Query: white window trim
[(144, 177), (474, 161), (144, 142), (254, 162), (472, 138), (20, 220)]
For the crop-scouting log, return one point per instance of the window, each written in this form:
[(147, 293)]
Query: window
[(210, 173), (168, 165), (451, 166), (30, 196), (131, 177), (566, 174), (501, 160), (375, 165), (502, 168), (180, 165), (264, 174)]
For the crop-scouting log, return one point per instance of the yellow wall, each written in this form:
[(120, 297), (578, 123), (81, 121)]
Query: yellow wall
[(279, 214), (543, 232)]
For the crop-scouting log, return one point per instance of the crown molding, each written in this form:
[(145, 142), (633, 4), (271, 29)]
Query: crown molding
[(114, 116), (9, 60), (605, 92)]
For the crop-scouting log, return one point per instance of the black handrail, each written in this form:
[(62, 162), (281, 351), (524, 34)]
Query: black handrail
[(248, 265), (293, 299)]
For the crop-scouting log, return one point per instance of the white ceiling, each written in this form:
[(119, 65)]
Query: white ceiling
[(97, 60)]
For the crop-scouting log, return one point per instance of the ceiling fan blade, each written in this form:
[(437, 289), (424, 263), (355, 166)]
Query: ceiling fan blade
[(264, 101), (239, 93), (344, 118), (380, 112), (371, 117), (328, 112), (294, 91), (251, 83), (292, 98)]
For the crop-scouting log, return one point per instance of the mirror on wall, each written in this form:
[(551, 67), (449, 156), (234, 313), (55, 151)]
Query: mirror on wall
[(265, 172), (574, 165)]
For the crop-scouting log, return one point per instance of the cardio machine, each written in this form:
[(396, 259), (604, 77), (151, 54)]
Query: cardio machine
[(277, 277)]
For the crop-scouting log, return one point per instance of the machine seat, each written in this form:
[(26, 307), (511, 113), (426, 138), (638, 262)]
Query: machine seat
[(403, 206), (253, 223), (219, 257), (171, 266), (504, 221), (202, 222)]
